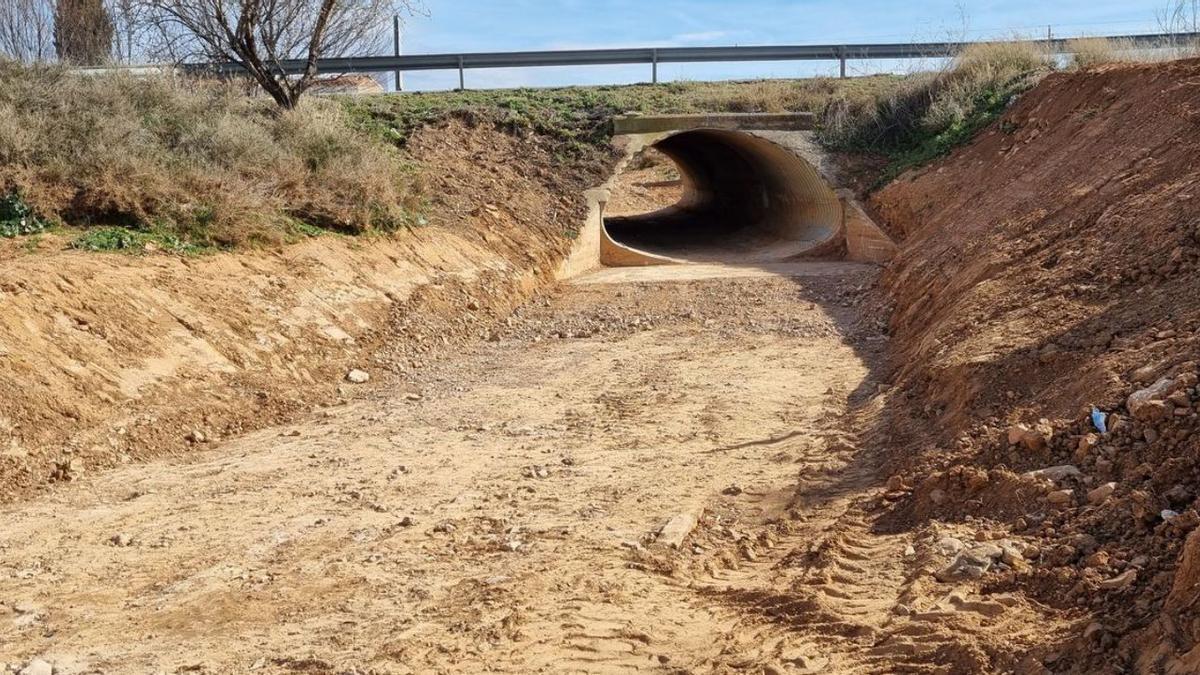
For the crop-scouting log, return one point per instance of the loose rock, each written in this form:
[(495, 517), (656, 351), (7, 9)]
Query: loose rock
[(1101, 494), (37, 667), (1056, 473)]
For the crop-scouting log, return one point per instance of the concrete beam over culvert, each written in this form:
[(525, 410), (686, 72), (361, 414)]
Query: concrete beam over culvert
[(653, 124)]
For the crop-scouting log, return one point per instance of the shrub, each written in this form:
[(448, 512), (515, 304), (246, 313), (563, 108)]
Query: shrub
[(1089, 52), (200, 159), (927, 114)]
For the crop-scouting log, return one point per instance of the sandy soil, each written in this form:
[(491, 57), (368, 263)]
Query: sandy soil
[(501, 511), (108, 359)]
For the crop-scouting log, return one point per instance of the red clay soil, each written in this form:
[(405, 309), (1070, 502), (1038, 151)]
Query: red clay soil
[(1048, 267)]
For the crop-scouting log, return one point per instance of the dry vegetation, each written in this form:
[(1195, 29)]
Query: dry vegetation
[(1089, 52), (200, 160), (927, 114)]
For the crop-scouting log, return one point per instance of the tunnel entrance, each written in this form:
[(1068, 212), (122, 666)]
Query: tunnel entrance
[(742, 199)]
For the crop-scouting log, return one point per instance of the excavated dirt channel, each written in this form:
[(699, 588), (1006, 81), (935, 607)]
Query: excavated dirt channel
[(508, 509), (744, 199)]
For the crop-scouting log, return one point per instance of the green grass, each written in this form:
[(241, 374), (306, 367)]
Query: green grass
[(128, 240), (988, 106), (580, 118)]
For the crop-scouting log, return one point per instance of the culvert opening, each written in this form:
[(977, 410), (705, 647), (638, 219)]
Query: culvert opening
[(744, 199)]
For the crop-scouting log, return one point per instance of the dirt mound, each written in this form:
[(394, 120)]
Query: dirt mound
[(1049, 267), (108, 359)]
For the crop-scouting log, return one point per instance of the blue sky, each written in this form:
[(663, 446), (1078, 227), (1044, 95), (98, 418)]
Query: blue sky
[(507, 25)]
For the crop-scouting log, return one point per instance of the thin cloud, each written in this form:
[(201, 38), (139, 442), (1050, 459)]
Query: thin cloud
[(703, 36)]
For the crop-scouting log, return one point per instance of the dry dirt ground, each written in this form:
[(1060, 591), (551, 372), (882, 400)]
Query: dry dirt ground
[(503, 510)]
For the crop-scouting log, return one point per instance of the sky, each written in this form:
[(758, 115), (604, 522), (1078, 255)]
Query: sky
[(454, 26)]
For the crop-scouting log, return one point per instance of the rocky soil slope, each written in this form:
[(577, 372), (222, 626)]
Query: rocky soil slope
[(1049, 267)]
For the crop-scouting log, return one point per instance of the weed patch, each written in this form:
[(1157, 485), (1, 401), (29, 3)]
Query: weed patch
[(126, 240), (17, 217), (929, 114)]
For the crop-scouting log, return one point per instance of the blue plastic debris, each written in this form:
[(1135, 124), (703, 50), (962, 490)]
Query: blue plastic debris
[(1099, 420)]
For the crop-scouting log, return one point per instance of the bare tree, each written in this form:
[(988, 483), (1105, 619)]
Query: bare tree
[(27, 30), (129, 28), (1175, 19), (1179, 16), (83, 32), (259, 35)]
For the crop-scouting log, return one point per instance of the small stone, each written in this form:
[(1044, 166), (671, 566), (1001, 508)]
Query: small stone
[(1148, 404), (197, 436), (633, 545), (1120, 581), (732, 491), (406, 521), (937, 496), (1056, 473), (69, 470), (1031, 439), (121, 540), (678, 528), (1011, 556), (1157, 392), (1097, 559), (1061, 497), (989, 551), (1145, 374), (950, 545), (25, 607), (537, 471), (1085, 447), (357, 376), (1093, 631), (37, 667), (412, 396), (1101, 494)]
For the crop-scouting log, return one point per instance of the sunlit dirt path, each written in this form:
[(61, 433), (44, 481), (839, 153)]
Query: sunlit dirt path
[(501, 510)]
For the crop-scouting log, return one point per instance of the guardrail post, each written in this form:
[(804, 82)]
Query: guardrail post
[(462, 78), (842, 60), (654, 66), (399, 83)]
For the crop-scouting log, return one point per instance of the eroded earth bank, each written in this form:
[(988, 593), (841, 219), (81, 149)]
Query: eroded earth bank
[(812, 466)]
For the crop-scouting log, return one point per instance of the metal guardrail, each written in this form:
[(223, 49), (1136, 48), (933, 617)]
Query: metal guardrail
[(654, 56)]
